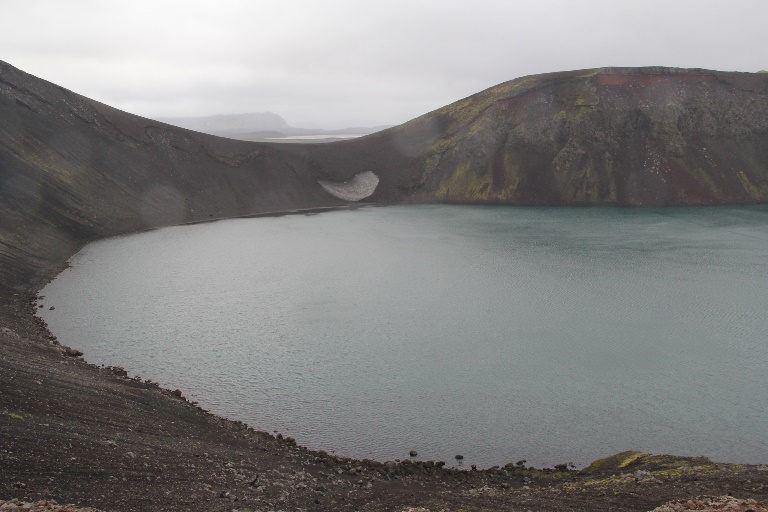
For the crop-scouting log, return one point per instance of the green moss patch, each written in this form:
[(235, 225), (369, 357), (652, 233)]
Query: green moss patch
[(467, 184), (615, 462)]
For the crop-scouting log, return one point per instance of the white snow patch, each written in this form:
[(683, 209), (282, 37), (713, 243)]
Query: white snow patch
[(358, 187)]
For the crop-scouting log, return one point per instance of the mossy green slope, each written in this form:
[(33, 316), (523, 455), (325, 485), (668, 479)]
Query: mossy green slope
[(623, 136)]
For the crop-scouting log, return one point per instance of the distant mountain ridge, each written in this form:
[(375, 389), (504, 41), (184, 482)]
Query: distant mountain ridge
[(256, 125), (235, 123)]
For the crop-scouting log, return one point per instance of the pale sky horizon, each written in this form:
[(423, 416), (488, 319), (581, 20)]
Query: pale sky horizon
[(343, 63)]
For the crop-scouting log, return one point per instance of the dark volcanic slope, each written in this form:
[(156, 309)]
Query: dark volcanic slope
[(73, 170)]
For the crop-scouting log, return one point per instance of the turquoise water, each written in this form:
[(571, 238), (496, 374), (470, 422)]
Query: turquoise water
[(499, 333)]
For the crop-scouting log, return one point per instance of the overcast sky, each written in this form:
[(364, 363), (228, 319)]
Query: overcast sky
[(334, 64)]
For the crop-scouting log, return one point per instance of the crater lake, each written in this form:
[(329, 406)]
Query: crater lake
[(499, 333)]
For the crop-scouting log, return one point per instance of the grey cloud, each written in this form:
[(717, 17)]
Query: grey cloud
[(343, 63)]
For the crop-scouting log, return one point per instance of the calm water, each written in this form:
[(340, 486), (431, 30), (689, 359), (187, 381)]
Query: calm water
[(549, 334)]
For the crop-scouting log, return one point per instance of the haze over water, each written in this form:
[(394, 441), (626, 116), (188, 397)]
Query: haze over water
[(498, 333)]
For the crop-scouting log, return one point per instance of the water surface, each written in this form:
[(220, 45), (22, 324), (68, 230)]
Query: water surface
[(498, 333)]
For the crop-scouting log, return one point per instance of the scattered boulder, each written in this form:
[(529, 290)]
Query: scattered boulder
[(413, 453), (72, 352), (118, 370)]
